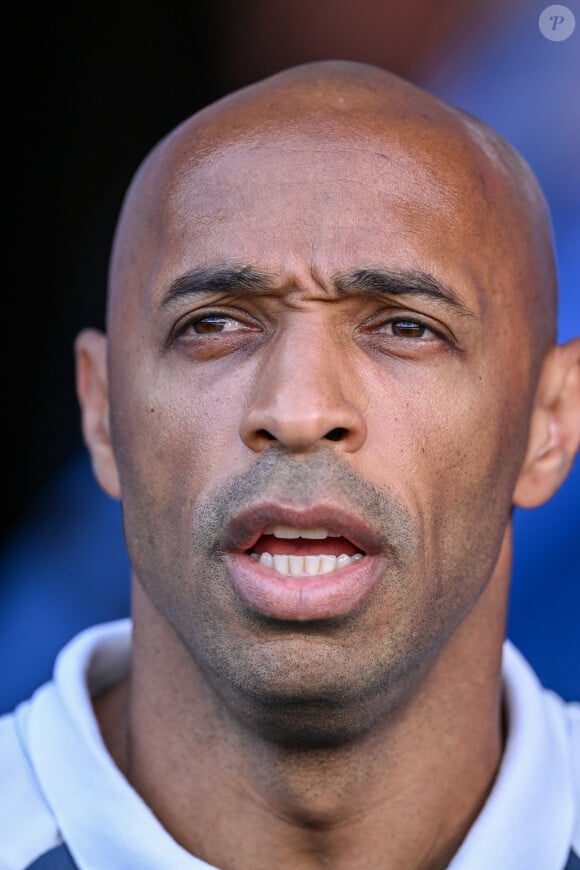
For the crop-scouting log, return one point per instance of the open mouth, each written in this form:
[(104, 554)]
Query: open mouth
[(302, 564), (309, 552)]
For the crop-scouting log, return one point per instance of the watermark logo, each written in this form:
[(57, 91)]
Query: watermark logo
[(557, 23)]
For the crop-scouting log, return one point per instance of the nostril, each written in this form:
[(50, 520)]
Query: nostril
[(336, 434), (265, 434)]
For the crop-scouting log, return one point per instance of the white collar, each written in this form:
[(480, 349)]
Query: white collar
[(527, 820)]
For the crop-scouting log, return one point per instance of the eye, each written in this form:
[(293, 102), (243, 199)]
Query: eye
[(203, 334), (404, 327), (210, 324)]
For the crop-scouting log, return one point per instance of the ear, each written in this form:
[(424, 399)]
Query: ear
[(555, 427), (93, 395)]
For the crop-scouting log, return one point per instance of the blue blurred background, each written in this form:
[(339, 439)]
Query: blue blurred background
[(91, 96)]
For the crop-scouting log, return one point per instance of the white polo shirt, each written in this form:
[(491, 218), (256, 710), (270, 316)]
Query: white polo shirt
[(64, 803)]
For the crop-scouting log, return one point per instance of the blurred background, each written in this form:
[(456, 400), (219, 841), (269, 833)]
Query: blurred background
[(90, 92)]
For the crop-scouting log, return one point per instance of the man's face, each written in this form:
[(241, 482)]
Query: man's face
[(222, 401)]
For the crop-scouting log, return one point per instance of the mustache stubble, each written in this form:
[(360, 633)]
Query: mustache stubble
[(304, 481)]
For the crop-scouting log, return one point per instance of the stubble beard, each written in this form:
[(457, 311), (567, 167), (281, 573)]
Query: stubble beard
[(312, 684)]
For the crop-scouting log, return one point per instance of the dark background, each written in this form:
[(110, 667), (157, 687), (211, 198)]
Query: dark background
[(90, 92)]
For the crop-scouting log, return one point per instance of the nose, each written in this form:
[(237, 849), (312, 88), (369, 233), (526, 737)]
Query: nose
[(306, 393)]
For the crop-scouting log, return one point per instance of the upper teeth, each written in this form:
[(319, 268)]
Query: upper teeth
[(292, 532)]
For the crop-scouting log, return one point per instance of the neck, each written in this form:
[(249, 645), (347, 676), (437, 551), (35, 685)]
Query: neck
[(403, 795)]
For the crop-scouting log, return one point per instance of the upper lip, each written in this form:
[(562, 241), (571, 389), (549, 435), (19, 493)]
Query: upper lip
[(244, 529)]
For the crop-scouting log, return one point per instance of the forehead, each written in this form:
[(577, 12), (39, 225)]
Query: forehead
[(329, 199)]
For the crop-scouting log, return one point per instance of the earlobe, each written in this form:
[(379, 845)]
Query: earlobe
[(92, 392), (555, 427)]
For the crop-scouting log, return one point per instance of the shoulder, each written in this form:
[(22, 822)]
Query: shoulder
[(564, 721), (28, 828), (543, 749), (569, 716), (46, 747), (571, 724), (572, 718)]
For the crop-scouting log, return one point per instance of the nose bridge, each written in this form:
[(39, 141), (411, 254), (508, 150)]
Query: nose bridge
[(303, 356), (305, 392)]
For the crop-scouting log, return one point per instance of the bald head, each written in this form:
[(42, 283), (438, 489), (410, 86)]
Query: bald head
[(336, 106)]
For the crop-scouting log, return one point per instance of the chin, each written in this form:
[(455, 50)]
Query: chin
[(310, 705), (301, 724)]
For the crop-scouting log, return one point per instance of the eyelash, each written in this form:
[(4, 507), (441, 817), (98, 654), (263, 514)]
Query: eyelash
[(193, 321), (411, 322)]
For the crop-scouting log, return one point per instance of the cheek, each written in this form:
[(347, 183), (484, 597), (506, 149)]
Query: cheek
[(453, 448), (175, 437), (170, 442)]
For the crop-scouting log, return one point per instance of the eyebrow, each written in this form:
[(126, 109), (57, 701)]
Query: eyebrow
[(395, 282), (376, 281), (218, 279)]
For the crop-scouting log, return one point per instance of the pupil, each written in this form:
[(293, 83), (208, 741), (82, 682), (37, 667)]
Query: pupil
[(408, 329), (208, 324)]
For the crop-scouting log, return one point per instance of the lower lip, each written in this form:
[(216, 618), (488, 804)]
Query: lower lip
[(303, 598)]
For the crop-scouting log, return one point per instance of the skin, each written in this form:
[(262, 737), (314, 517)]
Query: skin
[(373, 739)]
